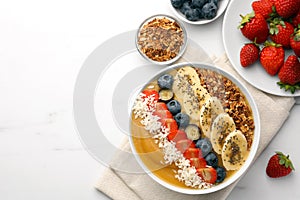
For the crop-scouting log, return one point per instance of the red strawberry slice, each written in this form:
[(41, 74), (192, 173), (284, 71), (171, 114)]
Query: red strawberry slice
[(183, 145), (180, 135), (149, 93), (161, 106), (192, 153), (198, 162), (154, 97), (208, 174), (171, 124), (163, 114)]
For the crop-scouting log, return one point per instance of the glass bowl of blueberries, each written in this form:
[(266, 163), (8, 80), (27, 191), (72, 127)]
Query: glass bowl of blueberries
[(198, 11)]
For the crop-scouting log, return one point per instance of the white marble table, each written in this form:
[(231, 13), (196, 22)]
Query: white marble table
[(42, 47)]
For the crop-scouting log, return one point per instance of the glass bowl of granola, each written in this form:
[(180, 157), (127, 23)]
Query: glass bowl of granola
[(194, 128), (161, 39)]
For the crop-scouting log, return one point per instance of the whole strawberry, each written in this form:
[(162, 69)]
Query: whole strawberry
[(281, 32), (296, 19), (290, 71), (279, 165), (254, 26), (287, 8), (249, 54), (272, 2), (264, 7), (295, 41), (272, 57)]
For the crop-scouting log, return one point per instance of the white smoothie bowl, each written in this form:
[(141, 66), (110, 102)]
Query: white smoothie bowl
[(252, 150)]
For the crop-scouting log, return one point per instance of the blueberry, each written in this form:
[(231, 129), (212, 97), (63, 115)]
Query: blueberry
[(198, 3), (177, 3), (192, 14), (182, 120), (165, 81), (209, 10), (221, 174), (174, 107), (201, 14), (205, 146), (215, 2), (185, 7), (211, 159)]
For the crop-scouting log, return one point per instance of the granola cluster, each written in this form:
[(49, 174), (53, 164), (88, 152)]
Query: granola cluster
[(233, 100), (160, 39)]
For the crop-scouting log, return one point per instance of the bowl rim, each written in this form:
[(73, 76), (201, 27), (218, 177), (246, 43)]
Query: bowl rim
[(255, 143), (182, 48)]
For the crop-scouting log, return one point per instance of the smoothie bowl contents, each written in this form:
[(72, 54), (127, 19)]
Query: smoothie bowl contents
[(202, 137), (161, 39)]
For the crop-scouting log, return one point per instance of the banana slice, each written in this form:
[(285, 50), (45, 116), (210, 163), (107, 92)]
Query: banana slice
[(191, 104), (234, 151), (201, 93), (208, 112), (221, 127), (187, 87), (184, 79), (193, 100)]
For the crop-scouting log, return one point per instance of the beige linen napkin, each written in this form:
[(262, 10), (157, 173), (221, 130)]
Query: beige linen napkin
[(120, 186)]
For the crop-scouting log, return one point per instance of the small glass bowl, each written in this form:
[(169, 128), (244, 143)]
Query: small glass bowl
[(161, 39)]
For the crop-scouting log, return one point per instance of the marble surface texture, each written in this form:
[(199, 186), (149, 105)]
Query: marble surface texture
[(43, 45)]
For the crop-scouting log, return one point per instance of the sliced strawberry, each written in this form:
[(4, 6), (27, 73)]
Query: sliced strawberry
[(180, 135), (171, 124), (192, 153), (154, 97), (163, 114), (161, 106), (183, 145), (198, 162), (153, 93), (208, 174)]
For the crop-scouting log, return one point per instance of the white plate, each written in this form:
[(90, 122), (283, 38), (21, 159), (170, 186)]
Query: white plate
[(233, 42), (222, 7)]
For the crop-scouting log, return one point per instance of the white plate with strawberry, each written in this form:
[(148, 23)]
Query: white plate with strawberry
[(268, 67)]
